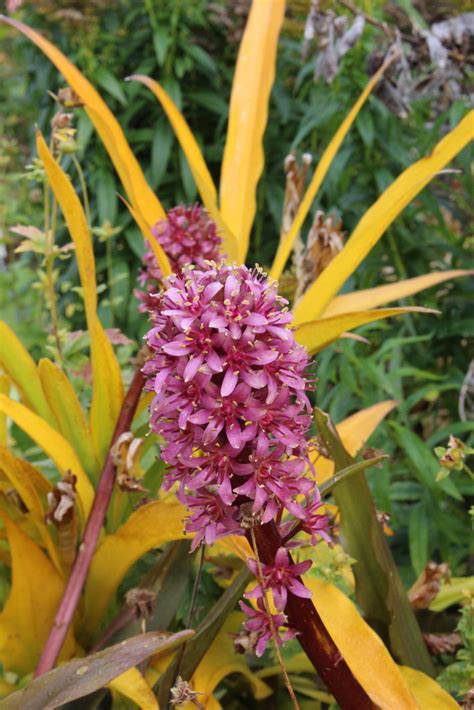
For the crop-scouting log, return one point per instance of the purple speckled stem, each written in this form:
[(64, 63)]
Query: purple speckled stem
[(95, 521)]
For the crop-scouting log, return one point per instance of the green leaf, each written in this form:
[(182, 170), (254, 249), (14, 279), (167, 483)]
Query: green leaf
[(108, 82), (326, 487), (365, 126), (84, 675), (418, 537)]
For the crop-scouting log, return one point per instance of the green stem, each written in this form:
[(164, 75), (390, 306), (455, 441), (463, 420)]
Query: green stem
[(85, 194), (108, 257), (49, 232)]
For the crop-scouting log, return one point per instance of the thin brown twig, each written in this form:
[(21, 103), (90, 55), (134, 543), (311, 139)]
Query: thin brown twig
[(386, 29), (72, 593), (271, 622)]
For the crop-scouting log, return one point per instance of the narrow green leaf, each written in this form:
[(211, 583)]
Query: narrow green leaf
[(326, 487)]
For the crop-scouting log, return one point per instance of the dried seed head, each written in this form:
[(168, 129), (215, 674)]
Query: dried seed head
[(61, 501), (141, 601), (182, 693)]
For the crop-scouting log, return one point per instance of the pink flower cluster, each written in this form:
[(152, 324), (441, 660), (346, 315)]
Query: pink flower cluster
[(230, 403), (188, 236)]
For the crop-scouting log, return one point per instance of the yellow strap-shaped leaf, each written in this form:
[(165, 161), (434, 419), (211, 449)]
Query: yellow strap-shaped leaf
[(323, 166), (29, 611), (317, 334), (427, 692), (139, 192), (379, 217), (151, 525), (197, 164), (108, 390), (155, 246), (20, 367), (380, 295), (243, 158), (53, 444), (67, 409), (23, 477), (361, 648), (354, 432), (4, 389), (133, 686)]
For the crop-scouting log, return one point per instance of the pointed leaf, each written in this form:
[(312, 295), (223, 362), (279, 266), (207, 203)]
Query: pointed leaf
[(197, 164), (150, 526), (53, 444), (379, 217), (20, 367), (29, 611), (139, 192), (160, 256), (341, 475), (317, 334), (243, 158), (133, 686), (452, 592), (31, 487), (428, 693), (108, 390), (82, 676), (67, 409), (323, 166), (380, 295)]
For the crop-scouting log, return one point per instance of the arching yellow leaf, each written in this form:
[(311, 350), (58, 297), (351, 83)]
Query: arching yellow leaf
[(67, 409), (362, 649), (243, 158), (354, 432), (379, 217), (20, 367), (31, 487), (133, 686), (427, 692), (155, 246), (317, 334), (4, 389), (197, 164), (322, 168), (380, 295), (31, 606), (108, 390), (150, 526), (53, 444), (139, 192)]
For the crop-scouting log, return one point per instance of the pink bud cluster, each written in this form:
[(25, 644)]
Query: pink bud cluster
[(187, 236), (230, 403)]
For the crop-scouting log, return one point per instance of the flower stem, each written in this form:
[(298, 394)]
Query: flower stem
[(313, 635), (95, 521)]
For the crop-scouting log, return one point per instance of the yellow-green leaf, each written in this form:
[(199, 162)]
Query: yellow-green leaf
[(197, 164), (31, 487), (31, 606), (20, 367), (139, 192), (323, 166), (53, 444), (133, 686), (380, 295), (67, 409), (317, 334), (243, 158), (4, 389), (361, 648), (379, 217), (428, 694), (108, 390), (150, 526), (454, 591), (354, 432), (155, 246)]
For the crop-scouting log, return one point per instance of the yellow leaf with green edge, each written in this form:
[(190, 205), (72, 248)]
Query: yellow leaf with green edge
[(323, 166), (53, 444), (67, 409), (361, 648), (380, 295), (20, 367), (29, 611), (354, 432), (197, 164), (31, 487), (155, 246), (107, 379), (4, 389), (428, 694), (379, 217), (454, 591), (133, 686), (150, 526), (139, 192), (243, 159), (317, 334)]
